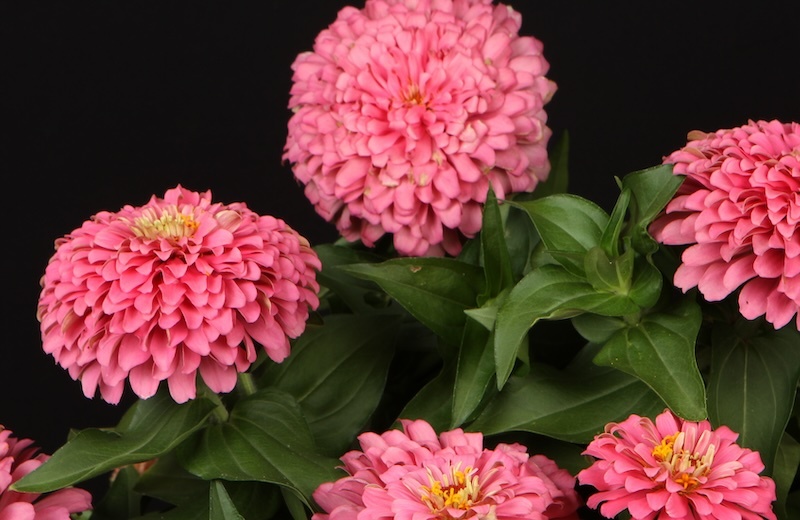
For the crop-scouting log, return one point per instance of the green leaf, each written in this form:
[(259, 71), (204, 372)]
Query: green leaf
[(652, 189), (597, 329), (359, 295), (610, 241), (251, 500), (496, 260), (752, 385), (660, 350), (572, 405), (547, 292), (568, 226), (609, 274), (152, 427), (265, 439), (220, 506), (784, 472), (337, 374), (169, 482), (121, 500), (436, 291), (475, 371)]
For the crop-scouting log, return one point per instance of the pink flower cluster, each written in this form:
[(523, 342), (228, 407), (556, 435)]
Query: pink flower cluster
[(178, 287), (416, 475), (18, 457), (406, 111), (676, 469), (738, 209)]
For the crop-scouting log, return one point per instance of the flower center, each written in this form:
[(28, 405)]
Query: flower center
[(455, 490), (413, 96), (171, 223), (686, 467)]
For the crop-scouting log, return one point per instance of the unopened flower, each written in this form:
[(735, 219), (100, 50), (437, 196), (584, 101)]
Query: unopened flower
[(178, 287), (676, 469), (18, 457), (415, 474), (406, 111), (738, 210)]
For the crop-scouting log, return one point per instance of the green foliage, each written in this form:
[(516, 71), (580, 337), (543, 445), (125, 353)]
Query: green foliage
[(555, 320)]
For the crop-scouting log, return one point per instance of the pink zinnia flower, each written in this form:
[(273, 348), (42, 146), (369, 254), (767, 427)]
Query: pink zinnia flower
[(176, 287), (18, 457), (406, 111), (739, 208), (676, 469), (416, 475)]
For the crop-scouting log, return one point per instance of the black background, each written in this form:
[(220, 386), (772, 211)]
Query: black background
[(113, 101)]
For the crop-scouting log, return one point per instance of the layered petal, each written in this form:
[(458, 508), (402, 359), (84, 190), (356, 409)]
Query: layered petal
[(406, 111), (174, 290), (738, 211)]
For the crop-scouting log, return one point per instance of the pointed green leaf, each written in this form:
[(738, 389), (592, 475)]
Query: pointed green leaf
[(568, 226), (752, 385), (436, 291), (220, 505), (265, 439), (494, 251), (545, 293), (154, 426), (475, 371), (611, 239), (652, 189), (572, 405), (660, 350), (337, 373)]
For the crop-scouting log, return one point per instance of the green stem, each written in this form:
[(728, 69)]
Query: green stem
[(246, 383)]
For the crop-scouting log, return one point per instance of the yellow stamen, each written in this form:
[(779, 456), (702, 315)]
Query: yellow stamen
[(170, 223), (456, 489), (685, 467)]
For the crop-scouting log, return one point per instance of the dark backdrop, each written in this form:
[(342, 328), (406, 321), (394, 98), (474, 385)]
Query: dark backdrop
[(112, 101)]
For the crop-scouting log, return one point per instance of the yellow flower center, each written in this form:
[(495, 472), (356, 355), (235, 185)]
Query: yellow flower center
[(171, 223), (687, 468), (413, 96), (456, 489)]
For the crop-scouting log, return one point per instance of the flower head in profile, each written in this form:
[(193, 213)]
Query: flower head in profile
[(675, 469), (738, 210), (18, 457), (177, 288), (415, 474), (406, 111)]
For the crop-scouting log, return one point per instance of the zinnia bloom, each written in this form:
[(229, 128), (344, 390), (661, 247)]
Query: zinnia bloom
[(178, 287), (406, 111), (676, 469), (738, 208), (415, 474), (18, 457)]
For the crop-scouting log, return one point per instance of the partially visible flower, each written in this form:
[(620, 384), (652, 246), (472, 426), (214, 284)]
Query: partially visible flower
[(406, 111), (739, 208), (677, 469), (18, 457), (178, 287), (415, 474)]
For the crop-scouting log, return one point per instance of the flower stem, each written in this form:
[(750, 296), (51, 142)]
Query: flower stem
[(246, 383)]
